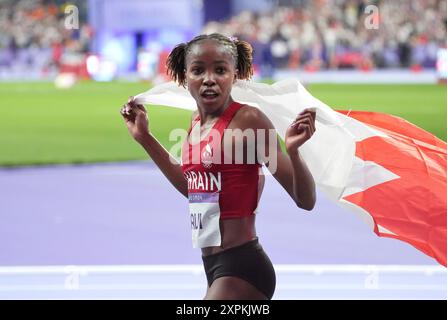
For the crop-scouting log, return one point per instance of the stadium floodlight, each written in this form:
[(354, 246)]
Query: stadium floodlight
[(100, 68)]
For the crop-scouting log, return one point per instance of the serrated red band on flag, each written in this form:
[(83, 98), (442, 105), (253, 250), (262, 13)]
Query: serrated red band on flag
[(414, 206)]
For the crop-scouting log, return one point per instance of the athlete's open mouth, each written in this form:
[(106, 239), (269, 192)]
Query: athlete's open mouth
[(209, 94)]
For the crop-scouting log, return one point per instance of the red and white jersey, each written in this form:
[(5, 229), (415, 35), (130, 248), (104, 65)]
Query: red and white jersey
[(217, 189)]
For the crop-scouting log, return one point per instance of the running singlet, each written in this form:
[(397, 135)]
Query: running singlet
[(217, 189)]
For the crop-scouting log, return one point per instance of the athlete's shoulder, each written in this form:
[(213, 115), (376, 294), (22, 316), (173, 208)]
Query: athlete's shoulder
[(251, 117)]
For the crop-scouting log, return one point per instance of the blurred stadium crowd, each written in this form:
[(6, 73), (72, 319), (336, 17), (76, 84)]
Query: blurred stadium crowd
[(34, 39), (332, 34), (310, 35)]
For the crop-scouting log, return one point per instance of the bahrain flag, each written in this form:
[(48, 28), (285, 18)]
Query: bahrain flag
[(412, 207)]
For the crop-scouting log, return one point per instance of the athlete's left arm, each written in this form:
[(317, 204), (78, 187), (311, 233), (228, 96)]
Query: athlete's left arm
[(289, 170)]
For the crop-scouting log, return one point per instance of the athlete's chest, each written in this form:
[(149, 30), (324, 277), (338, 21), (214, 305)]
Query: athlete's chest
[(230, 145)]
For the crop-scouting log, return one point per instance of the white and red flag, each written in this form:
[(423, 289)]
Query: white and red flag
[(383, 168)]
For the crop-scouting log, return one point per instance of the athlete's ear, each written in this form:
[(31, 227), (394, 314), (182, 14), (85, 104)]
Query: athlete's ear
[(236, 72)]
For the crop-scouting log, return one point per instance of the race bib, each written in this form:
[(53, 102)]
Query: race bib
[(205, 215)]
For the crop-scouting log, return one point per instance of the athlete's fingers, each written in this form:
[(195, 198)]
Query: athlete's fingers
[(125, 115), (309, 130), (305, 114), (123, 110), (314, 115), (135, 108), (307, 118), (311, 112), (304, 125), (298, 119), (130, 109), (312, 122), (306, 129), (300, 126), (141, 107), (302, 119), (297, 123)]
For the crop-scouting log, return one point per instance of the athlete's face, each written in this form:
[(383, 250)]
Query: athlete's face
[(210, 74)]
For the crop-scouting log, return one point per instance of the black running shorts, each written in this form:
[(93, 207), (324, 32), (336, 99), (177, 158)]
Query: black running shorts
[(247, 261)]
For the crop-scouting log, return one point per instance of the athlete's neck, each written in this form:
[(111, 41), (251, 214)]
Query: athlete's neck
[(209, 117)]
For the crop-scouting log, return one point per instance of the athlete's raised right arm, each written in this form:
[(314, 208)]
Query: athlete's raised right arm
[(136, 120)]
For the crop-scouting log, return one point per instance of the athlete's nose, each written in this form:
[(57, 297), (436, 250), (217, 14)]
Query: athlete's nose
[(208, 79)]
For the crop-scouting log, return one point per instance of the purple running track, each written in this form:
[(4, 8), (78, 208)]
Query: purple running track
[(128, 213)]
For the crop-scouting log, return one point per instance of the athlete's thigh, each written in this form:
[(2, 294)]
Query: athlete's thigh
[(207, 293), (233, 288)]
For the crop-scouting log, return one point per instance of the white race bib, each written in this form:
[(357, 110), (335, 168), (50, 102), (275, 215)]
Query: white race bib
[(205, 216)]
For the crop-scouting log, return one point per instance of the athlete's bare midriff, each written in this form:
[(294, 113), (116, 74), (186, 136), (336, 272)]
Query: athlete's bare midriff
[(234, 232)]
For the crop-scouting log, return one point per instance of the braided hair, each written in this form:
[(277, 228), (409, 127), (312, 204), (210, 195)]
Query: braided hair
[(241, 51)]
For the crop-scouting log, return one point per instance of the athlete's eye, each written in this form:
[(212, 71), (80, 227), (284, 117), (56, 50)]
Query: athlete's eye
[(220, 70), (196, 71)]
